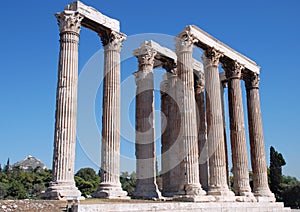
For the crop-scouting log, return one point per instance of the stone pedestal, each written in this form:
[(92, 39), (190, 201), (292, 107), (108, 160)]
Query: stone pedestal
[(110, 186), (258, 158), (63, 184), (146, 187), (215, 132), (201, 123), (237, 130), (190, 188)]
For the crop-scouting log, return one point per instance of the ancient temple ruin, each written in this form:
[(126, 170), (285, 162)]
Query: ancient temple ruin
[(194, 151)]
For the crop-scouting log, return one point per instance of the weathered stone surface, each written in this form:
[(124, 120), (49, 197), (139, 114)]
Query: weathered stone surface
[(202, 128), (146, 187), (215, 131), (258, 158), (203, 39), (70, 21), (63, 184), (170, 144), (110, 186), (188, 137), (186, 207), (163, 54), (93, 19), (237, 130)]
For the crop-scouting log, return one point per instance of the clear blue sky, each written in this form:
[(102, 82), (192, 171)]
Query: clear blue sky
[(266, 31)]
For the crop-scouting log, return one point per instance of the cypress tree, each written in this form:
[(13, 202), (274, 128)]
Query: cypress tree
[(276, 163)]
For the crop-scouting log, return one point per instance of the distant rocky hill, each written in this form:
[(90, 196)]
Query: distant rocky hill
[(30, 163)]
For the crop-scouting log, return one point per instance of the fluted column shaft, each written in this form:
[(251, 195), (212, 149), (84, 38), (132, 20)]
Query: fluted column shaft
[(174, 128), (237, 130), (258, 157), (222, 86), (190, 184), (201, 123), (63, 184), (165, 137), (110, 186), (215, 131), (170, 146), (146, 187)]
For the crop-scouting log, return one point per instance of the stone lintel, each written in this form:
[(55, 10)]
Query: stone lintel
[(164, 54), (204, 41), (93, 19)]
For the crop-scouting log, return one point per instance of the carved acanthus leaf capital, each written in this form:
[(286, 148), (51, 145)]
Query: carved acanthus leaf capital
[(185, 42), (146, 57), (211, 57), (199, 82), (170, 66), (112, 40), (251, 79), (69, 21), (233, 69)]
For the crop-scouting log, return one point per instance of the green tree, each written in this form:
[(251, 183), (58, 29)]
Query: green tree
[(291, 195), (3, 190), (7, 167), (87, 181), (128, 182), (276, 163), (17, 190)]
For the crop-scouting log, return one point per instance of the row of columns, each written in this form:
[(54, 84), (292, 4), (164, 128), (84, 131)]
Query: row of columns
[(63, 184), (188, 144), (187, 136)]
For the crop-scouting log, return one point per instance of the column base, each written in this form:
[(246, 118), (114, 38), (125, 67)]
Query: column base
[(62, 191), (264, 196), (222, 194), (245, 198), (108, 191), (147, 192), (191, 190)]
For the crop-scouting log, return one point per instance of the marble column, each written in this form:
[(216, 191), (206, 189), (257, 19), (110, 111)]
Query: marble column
[(146, 187), (237, 129), (215, 131), (201, 123), (170, 145), (223, 85), (190, 186), (165, 137), (258, 158), (63, 184), (110, 186)]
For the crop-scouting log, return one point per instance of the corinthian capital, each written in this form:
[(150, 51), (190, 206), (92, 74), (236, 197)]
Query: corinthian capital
[(112, 40), (69, 21), (170, 66), (184, 42), (211, 57), (145, 55), (233, 69), (251, 79)]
